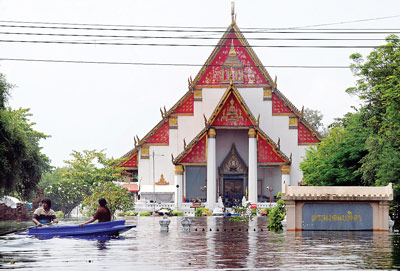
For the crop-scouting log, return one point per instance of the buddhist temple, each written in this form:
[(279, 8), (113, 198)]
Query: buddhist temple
[(232, 135)]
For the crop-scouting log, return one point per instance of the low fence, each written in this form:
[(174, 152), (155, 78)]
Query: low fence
[(186, 208)]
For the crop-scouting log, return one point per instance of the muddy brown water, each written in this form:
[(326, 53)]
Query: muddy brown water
[(214, 243)]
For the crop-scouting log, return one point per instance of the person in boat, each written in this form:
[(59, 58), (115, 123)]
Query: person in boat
[(103, 214), (44, 214)]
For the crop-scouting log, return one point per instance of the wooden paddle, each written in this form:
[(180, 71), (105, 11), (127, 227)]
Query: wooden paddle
[(24, 229)]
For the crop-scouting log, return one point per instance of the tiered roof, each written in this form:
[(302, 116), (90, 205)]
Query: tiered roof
[(246, 70)]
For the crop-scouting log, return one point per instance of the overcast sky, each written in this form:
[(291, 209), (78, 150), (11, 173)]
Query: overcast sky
[(99, 106)]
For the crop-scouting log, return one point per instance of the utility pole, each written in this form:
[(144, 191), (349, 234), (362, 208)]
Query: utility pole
[(154, 187), (154, 182)]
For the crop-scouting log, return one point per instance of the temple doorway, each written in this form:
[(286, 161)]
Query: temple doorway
[(233, 192), (232, 178)]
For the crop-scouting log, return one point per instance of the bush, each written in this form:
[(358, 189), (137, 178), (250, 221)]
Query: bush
[(121, 214), (59, 214), (200, 211), (265, 211), (177, 213), (131, 213), (145, 214), (276, 216)]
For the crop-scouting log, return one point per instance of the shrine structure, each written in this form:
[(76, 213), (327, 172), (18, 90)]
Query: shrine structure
[(233, 134)]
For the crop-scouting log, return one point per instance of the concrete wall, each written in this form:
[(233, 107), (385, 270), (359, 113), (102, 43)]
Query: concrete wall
[(377, 197)]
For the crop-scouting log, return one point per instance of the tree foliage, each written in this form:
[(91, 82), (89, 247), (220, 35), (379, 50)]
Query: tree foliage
[(21, 160), (118, 197), (336, 159), (314, 117), (68, 186), (276, 215), (364, 147)]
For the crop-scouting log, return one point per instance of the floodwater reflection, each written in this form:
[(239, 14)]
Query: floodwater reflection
[(214, 243)]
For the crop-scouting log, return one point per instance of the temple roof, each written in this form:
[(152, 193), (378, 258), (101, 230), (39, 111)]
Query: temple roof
[(194, 153), (232, 111), (232, 51), (297, 113), (233, 48), (129, 160), (242, 118)]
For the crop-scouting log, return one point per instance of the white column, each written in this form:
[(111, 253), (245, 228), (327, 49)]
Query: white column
[(178, 186), (211, 170), (252, 181), (285, 169)]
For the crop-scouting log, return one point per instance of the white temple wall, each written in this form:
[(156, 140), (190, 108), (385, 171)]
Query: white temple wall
[(144, 171), (276, 127), (162, 165), (297, 175), (271, 177), (254, 100), (173, 142), (190, 126)]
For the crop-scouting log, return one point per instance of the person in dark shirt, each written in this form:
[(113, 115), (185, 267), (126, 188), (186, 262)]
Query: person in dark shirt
[(103, 214), (44, 215)]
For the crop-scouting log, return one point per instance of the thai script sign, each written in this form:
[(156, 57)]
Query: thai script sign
[(337, 216)]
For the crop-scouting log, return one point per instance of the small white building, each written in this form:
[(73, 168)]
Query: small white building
[(233, 134)]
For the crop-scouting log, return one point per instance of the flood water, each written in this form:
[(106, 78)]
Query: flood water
[(214, 243)]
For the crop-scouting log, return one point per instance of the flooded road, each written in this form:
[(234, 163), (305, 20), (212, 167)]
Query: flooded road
[(213, 243)]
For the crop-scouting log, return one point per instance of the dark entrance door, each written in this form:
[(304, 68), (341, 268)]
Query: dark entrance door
[(233, 192)]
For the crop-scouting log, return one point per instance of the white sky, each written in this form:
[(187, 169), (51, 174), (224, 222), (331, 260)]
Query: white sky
[(89, 106)]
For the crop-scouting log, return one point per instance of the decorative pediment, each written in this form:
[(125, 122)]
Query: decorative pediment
[(279, 107), (233, 163), (195, 152), (233, 60), (232, 111), (132, 161), (159, 136), (269, 152), (186, 107), (305, 137)]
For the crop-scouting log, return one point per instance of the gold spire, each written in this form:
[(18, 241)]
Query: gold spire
[(232, 52), (233, 12)]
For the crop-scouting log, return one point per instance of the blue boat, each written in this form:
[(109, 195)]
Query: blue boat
[(97, 229)]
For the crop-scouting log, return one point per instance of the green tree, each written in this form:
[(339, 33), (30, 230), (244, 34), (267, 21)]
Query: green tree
[(276, 215), (68, 186), (364, 148), (314, 117), (336, 159), (118, 197), (21, 160), (378, 86)]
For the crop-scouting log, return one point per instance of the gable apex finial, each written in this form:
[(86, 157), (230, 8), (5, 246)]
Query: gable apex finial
[(233, 12)]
